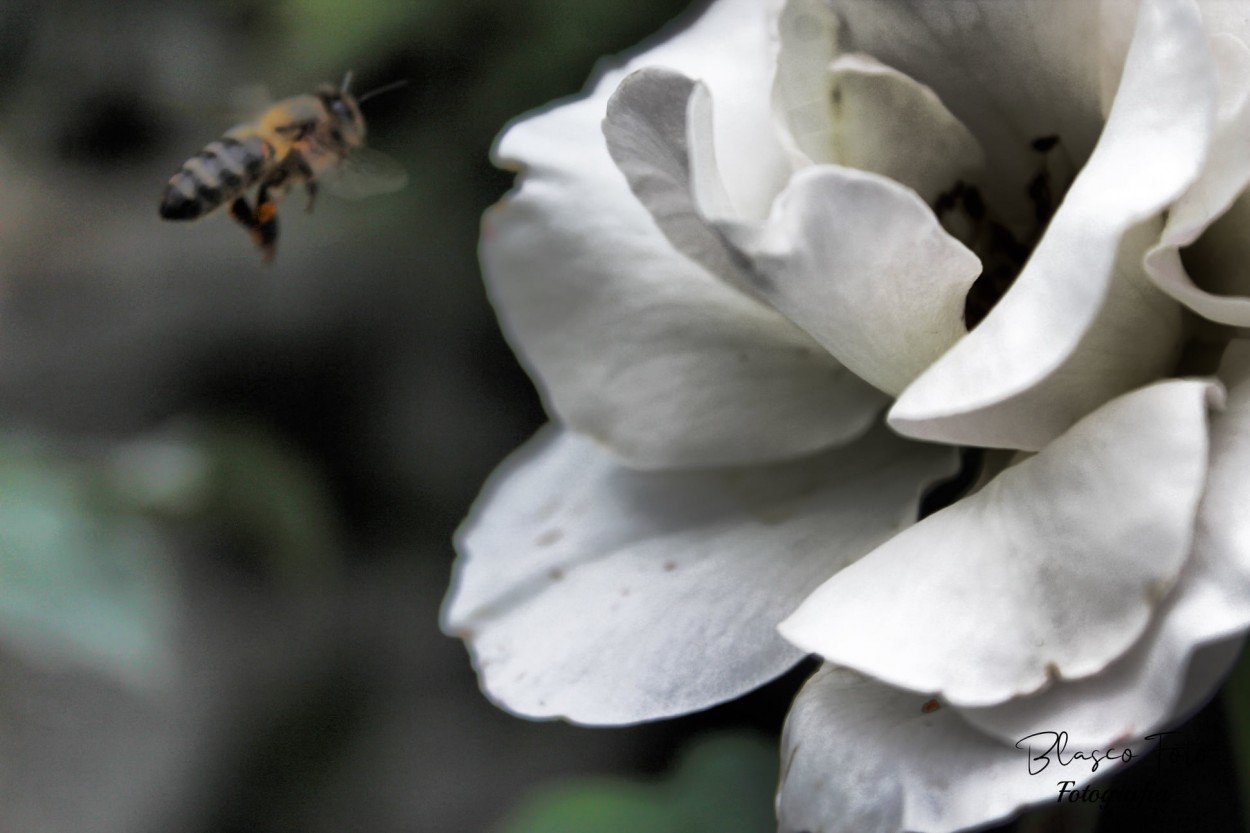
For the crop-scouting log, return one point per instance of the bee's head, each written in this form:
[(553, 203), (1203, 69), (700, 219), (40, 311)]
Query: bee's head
[(347, 125), (345, 109)]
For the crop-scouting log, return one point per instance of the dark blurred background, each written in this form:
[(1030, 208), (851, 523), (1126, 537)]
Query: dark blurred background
[(227, 490), (231, 488)]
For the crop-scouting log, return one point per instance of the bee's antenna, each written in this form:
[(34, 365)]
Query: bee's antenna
[(386, 88), (347, 80)]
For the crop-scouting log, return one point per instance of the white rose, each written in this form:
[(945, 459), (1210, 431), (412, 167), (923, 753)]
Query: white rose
[(726, 261)]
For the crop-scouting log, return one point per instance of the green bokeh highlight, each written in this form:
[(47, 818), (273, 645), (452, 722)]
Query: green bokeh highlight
[(721, 784), (80, 582)]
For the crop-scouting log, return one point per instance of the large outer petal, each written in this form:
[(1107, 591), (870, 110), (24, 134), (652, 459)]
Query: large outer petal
[(630, 341), (1051, 571), (604, 595), (1042, 358), (861, 757), (1211, 602), (1144, 690)]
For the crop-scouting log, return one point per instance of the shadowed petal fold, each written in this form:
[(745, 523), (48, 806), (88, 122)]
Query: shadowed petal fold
[(1221, 256), (1011, 72), (853, 110)]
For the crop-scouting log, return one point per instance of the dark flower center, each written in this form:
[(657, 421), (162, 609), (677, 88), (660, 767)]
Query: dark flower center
[(962, 210)]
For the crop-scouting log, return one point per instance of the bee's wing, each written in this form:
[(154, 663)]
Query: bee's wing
[(364, 173)]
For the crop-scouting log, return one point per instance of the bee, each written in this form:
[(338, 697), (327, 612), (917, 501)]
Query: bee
[(307, 139)]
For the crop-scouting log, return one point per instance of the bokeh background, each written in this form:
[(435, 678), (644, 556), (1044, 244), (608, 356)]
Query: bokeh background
[(227, 490)]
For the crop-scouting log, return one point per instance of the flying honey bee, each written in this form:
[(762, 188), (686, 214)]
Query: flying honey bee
[(307, 139)]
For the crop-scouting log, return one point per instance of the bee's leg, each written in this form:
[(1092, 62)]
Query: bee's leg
[(242, 214), (304, 171), (261, 224), (266, 233), (311, 188)]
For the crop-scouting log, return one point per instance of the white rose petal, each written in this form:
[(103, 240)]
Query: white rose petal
[(1010, 71), (861, 757), (659, 131), (861, 264), (605, 595), (630, 341), (1139, 693), (1051, 571), (887, 123), (1223, 179), (853, 110), (1041, 359), (855, 259), (721, 264), (1211, 601)]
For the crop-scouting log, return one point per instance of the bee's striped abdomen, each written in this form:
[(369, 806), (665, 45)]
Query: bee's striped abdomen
[(217, 174)]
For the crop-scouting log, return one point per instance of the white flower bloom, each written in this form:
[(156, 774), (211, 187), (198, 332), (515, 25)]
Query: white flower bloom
[(1020, 224)]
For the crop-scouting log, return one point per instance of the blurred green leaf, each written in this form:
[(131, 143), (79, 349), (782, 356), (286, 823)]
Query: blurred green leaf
[(242, 479), (597, 807), (268, 489), (722, 784), (337, 33), (79, 581), (84, 577)]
